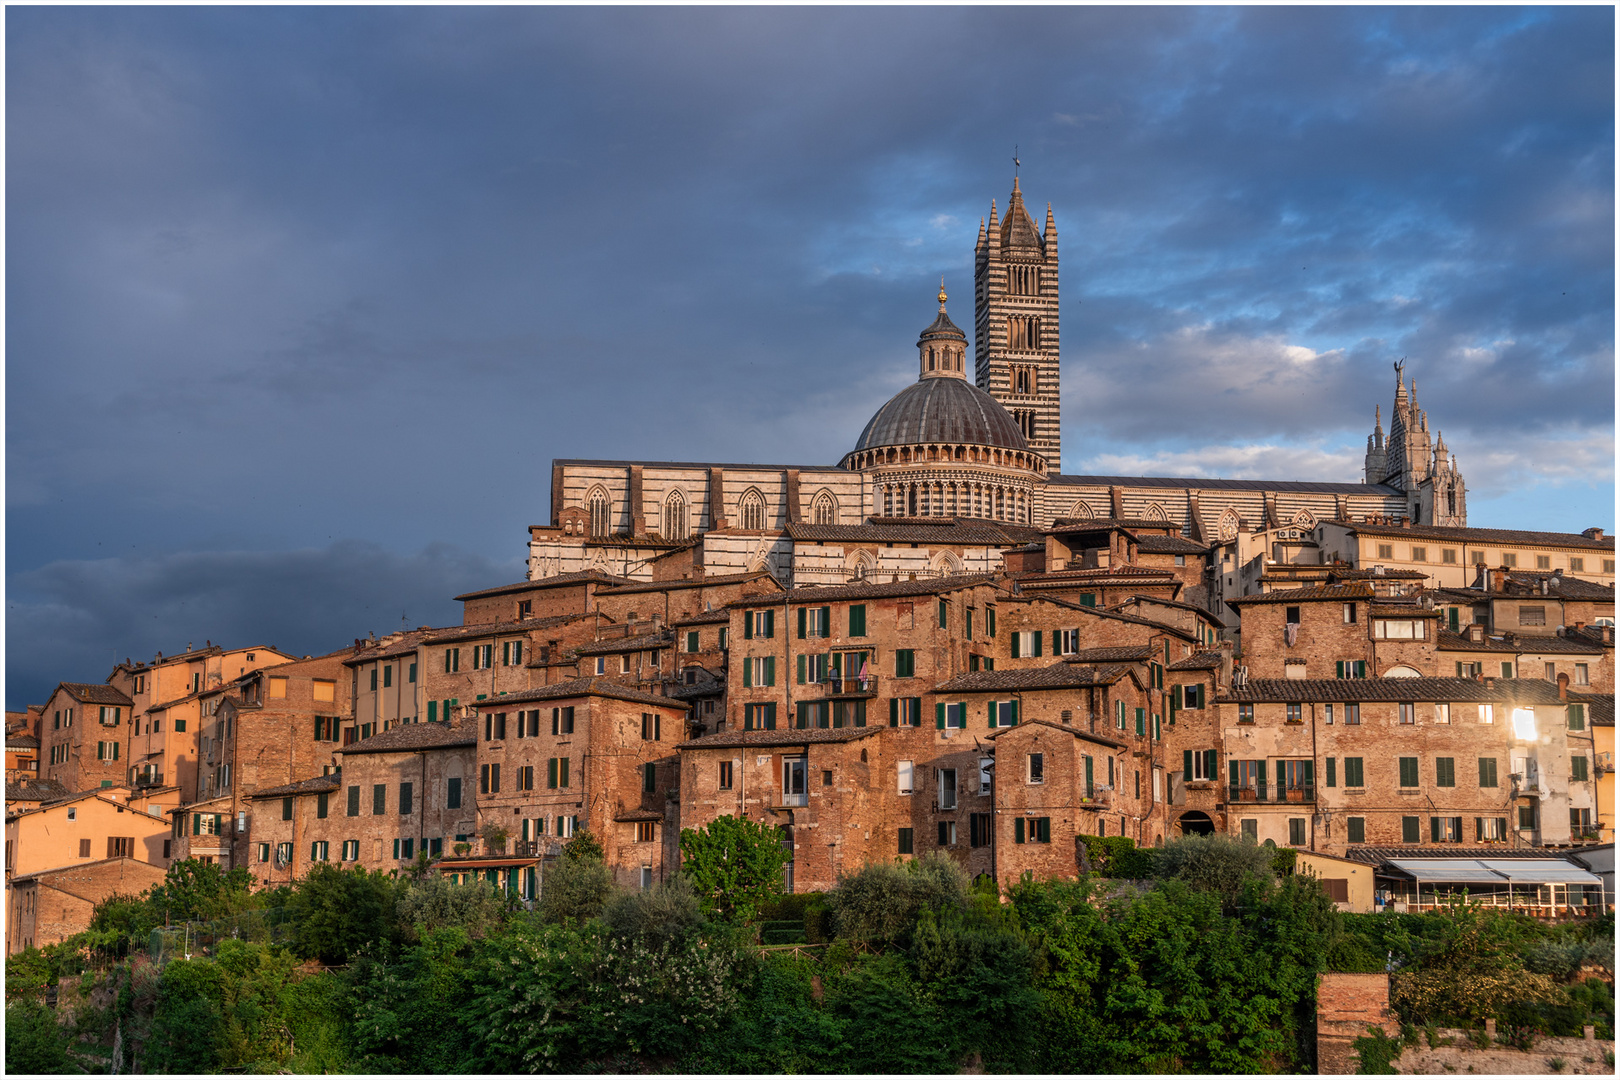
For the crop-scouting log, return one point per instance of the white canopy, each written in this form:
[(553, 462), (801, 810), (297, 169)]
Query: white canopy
[(1497, 871)]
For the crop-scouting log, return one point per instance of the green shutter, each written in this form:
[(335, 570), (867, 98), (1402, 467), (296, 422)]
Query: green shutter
[(1434, 830), (433, 711), (992, 709), (857, 620), (1018, 830), (802, 621), (562, 770), (826, 621), (748, 625), (801, 666), (1057, 643), (1037, 636), (939, 715), (1210, 763), (943, 615), (551, 772), (1332, 772), (748, 672), (1260, 778), (1338, 668), (1141, 722), (894, 712), (770, 671), (990, 616), (1577, 718), (1014, 711), (1088, 771), (1015, 638)]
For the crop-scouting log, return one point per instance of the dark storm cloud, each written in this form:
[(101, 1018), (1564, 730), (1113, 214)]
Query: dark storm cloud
[(73, 619), (282, 277)]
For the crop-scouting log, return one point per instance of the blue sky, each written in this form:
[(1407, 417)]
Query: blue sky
[(301, 302)]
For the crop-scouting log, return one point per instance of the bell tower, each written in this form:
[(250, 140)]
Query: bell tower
[(1015, 325)]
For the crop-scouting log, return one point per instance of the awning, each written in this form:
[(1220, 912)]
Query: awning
[(1496, 871), (448, 867)]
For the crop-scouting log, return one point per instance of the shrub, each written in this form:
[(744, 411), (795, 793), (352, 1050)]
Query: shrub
[(1376, 1053), (436, 902), (35, 1042), (1116, 857), (1213, 863), (667, 915), (575, 888), (880, 901), (338, 913)]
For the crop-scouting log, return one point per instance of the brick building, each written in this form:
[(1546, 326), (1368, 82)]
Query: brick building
[(50, 906), (83, 731)]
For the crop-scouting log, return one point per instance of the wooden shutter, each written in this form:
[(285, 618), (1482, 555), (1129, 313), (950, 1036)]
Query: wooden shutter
[(894, 712), (1018, 830), (748, 625), (1015, 646), (1014, 711), (1057, 644), (939, 715), (1088, 771), (748, 671), (802, 621), (770, 671), (992, 714), (802, 665), (1260, 778), (1037, 636), (857, 620), (826, 621), (1186, 767), (551, 772)]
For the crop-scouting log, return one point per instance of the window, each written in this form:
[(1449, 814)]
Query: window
[(1577, 768), (905, 663), (1386, 551), (1577, 717), (1448, 555), (562, 720), (752, 509), (351, 850), (556, 773), (1490, 828), (1296, 713), (1037, 768), (904, 775), (759, 671), (1543, 562), (725, 776), (1445, 830), (1510, 558), (759, 624), (1198, 764), (1327, 713), (646, 832), (278, 686), (795, 789), (318, 850), (1409, 771), (1398, 629), (404, 800), (652, 727), (379, 798), (1487, 772), (1068, 641), (84, 849), (1356, 830), (857, 620), (1351, 669), (512, 653), (1250, 828), (1036, 830), (324, 689), (1582, 678), (978, 830), (947, 788), (1246, 714), (284, 852), (1487, 714), (1532, 615), (1353, 776), (1003, 714), (1608, 566), (1408, 712), (815, 622), (452, 795), (905, 712), (759, 716), (1507, 669), (1445, 772), (405, 849), (1527, 817), (264, 852), (692, 641), (649, 777), (947, 833), (354, 800), (1026, 643), (412, 676), (1420, 554), (1411, 830), (904, 845), (1296, 830), (601, 665), (1191, 695)]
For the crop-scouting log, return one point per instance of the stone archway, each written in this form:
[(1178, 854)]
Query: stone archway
[(1196, 823)]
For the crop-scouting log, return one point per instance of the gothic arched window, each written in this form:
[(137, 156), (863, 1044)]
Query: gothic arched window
[(751, 509), (601, 523), (824, 511), (675, 516)]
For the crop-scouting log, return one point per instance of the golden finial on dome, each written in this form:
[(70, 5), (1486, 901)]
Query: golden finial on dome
[(942, 292)]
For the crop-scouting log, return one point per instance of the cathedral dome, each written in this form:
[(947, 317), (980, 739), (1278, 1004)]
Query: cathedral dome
[(942, 410)]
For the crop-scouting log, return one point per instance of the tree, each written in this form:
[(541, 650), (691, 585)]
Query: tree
[(881, 901), (336, 913), (434, 903), (35, 1042), (1213, 863), (195, 890), (734, 864), (578, 885), (668, 914)]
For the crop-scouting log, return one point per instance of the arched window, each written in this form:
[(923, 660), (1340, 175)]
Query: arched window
[(1155, 512), (751, 509), (601, 525), (1304, 519), (930, 358), (1227, 528), (1080, 510), (824, 510), (675, 516)]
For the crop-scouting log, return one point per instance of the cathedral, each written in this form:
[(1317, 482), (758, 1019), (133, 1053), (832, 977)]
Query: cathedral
[(954, 471)]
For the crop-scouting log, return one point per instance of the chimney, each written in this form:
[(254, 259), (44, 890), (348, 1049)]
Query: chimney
[(1563, 687), (1499, 579), (1490, 682), (1593, 533)]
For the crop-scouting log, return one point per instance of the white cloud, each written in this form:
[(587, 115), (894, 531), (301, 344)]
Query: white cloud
[(1256, 461)]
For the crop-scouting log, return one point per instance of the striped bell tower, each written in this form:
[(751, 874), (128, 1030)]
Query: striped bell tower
[(1015, 325)]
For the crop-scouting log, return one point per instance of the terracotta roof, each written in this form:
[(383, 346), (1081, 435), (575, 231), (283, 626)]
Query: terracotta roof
[(313, 786), (384, 650), (870, 590), (782, 737), (1202, 612), (35, 791), (1519, 584), (1508, 537), (704, 618), (1599, 707), (1403, 611), (1077, 732), (431, 735), (1095, 612), (684, 583), (1204, 661), (1041, 579), (1073, 525), (1202, 483), (624, 645), (1446, 641), (1526, 691), (1170, 545), (96, 694), (582, 687), (494, 862), (682, 692), (514, 626), (552, 582), (1313, 593), (638, 815), (966, 532), (1338, 574), (1114, 654), (22, 742), (1060, 676), (1580, 645)]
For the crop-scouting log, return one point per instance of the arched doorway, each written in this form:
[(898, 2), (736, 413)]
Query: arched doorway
[(1196, 823)]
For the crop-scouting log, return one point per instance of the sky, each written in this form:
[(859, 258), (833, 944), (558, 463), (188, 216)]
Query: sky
[(302, 302)]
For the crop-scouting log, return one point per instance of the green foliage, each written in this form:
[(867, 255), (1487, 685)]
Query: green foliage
[(339, 913), (584, 846), (576, 887), (734, 864), (667, 915), (1376, 1053), (1467, 967), (881, 901), (35, 1042), (1117, 857), (194, 890), (435, 902), (1214, 863), (1283, 861)]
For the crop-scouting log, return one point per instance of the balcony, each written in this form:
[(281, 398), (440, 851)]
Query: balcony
[(1264, 793), (1100, 798), (849, 688)]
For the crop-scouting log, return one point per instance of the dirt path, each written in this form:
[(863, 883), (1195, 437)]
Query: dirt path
[(1580, 1058)]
